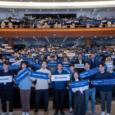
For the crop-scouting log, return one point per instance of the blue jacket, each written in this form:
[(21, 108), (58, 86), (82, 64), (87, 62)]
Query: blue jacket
[(59, 84)]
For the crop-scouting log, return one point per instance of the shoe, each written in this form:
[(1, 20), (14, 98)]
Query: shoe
[(45, 113), (36, 113), (23, 113), (108, 113), (55, 113), (70, 111), (93, 113), (86, 113), (103, 113), (27, 113), (62, 112), (3, 113), (10, 113)]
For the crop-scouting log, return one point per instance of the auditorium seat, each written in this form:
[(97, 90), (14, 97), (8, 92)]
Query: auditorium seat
[(109, 24), (72, 25), (2, 25), (101, 25), (113, 25), (59, 25), (10, 25)]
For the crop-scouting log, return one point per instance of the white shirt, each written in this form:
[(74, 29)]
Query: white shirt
[(80, 61), (42, 83), (81, 89)]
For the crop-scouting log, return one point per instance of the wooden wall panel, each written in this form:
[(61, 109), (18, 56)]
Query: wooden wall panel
[(59, 32)]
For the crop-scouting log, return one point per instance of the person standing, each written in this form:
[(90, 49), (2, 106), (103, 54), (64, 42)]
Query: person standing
[(106, 90), (42, 89), (80, 97), (70, 93), (90, 92), (59, 89), (7, 90), (25, 90)]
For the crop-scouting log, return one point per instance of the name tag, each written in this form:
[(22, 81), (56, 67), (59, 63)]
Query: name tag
[(39, 75), (77, 84), (64, 77), (5, 79), (79, 66), (103, 82)]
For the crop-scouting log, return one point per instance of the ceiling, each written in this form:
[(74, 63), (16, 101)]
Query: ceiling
[(57, 4), (52, 0)]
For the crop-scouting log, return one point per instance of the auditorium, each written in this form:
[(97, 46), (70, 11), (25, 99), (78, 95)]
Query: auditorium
[(57, 57)]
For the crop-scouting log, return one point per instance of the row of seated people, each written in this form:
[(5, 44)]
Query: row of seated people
[(58, 23), (10, 25)]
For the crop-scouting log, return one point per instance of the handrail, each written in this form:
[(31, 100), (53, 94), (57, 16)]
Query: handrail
[(53, 26)]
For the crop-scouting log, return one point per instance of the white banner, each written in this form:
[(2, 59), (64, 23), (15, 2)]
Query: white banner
[(5, 79), (60, 55), (113, 56), (12, 60), (64, 77), (18, 62), (70, 54), (79, 65)]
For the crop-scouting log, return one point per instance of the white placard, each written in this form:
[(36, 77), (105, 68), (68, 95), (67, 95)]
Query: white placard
[(64, 77), (79, 65), (113, 56), (5, 79), (4, 44), (60, 55), (87, 55), (12, 60), (8, 47), (70, 54), (109, 64), (10, 51), (33, 54)]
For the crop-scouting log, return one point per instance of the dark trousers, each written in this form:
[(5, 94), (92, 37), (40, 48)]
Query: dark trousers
[(25, 99), (104, 96), (7, 95), (59, 99), (38, 94)]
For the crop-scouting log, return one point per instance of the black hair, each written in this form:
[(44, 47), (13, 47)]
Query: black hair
[(6, 63), (44, 61), (101, 64), (71, 64), (24, 62)]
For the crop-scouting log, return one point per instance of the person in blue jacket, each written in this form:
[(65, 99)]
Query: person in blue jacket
[(105, 90), (59, 87)]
